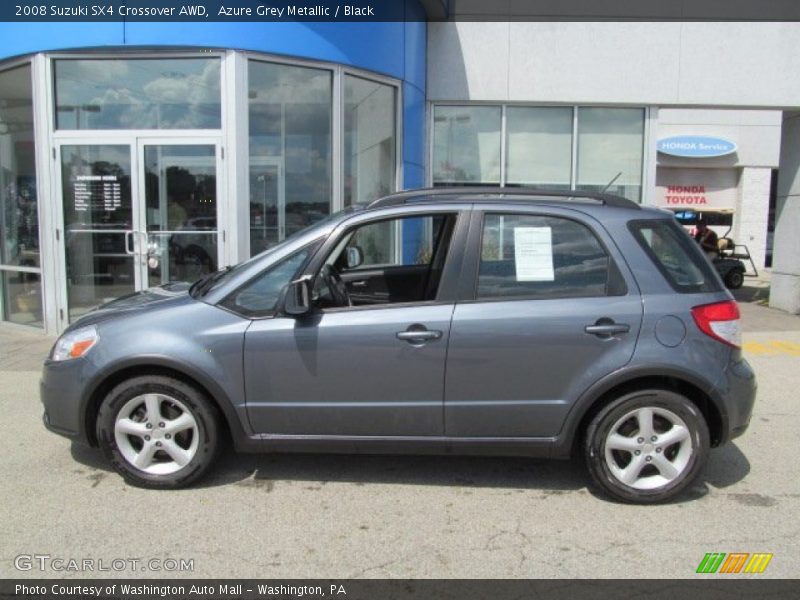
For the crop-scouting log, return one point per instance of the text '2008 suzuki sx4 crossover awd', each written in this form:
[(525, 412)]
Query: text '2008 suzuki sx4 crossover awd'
[(473, 321)]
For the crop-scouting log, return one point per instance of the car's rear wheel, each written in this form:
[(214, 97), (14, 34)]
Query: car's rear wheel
[(158, 432), (647, 446)]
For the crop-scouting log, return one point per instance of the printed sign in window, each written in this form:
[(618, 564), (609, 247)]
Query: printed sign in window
[(95, 191), (533, 253)]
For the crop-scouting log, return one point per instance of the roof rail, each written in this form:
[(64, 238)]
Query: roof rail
[(540, 194)]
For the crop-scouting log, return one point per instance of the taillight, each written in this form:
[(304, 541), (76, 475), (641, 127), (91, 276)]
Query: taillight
[(719, 321)]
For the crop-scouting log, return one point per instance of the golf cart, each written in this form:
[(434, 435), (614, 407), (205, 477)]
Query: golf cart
[(733, 259)]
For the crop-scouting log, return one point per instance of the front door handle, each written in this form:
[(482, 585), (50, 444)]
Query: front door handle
[(418, 336), (607, 330)]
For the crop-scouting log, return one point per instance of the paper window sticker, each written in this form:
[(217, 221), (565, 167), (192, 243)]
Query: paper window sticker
[(533, 253)]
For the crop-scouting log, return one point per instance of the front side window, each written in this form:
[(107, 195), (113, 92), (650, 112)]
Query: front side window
[(540, 257), (159, 93), (260, 296), (387, 262), (397, 242)]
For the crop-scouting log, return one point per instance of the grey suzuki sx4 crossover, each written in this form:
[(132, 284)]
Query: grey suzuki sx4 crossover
[(504, 321)]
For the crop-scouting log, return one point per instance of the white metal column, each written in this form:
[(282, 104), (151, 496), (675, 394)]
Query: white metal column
[(45, 164), (236, 197), (649, 155)]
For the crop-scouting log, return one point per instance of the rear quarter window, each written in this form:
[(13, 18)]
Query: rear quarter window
[(676, 256)]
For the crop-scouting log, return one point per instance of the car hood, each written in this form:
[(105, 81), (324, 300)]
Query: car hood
[(156, 298)]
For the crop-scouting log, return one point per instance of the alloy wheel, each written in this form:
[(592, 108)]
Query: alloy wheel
[(648, 448), (156, 434)]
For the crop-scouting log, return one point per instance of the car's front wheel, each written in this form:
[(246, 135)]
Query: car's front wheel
[(158, 432), (647, 446)]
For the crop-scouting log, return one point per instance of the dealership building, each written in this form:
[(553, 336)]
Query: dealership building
[(138, 153)]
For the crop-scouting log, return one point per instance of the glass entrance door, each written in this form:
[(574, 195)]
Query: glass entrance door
[(180, 204), (99, 225), (136, 215)]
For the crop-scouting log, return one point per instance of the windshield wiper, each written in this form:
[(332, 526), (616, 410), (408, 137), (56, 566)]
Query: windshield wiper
[(202, 286)]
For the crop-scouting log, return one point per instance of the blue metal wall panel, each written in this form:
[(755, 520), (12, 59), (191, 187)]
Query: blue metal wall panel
[(373, 46), (416, 34), (414, 126), (24, 38)]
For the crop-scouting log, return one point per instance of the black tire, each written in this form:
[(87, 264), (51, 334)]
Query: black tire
[(601, 425), (206, 420), (734, 279)]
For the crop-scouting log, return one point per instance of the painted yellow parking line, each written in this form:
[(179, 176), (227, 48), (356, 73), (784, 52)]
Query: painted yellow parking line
[(772, 348)]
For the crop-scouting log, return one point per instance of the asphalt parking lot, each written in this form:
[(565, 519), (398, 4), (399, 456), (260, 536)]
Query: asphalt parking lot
[(288, 516)]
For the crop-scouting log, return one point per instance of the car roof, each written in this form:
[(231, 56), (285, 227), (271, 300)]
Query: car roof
[(503, 194)]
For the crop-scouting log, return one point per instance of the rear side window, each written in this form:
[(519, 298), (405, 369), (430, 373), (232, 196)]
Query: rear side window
[(676, 255), (541, 257)]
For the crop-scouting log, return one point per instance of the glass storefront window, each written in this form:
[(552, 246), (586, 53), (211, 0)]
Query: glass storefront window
[(539, 146), (466, 145), (290, 114), (610, 148), (22, 298), (370, 140), (19, 217), (163, 93)]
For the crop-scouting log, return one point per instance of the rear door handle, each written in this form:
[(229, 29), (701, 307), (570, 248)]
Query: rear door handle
[(607, 329), (418, 336), (360, 284)]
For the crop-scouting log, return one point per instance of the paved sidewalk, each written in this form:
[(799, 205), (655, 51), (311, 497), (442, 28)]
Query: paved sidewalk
[(22, 350)]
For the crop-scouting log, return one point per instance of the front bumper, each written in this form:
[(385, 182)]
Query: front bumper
[(61, 393)]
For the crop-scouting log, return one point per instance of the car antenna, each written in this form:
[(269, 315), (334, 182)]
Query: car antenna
[(608, 185)]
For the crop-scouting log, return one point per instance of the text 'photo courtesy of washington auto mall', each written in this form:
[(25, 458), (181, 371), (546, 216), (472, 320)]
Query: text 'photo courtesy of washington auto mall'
[(159, 590), (420, 298)]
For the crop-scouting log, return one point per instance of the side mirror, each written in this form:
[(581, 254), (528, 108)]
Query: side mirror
[(355, 257), (298, 297)]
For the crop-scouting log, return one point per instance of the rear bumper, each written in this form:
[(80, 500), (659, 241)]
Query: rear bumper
[(737, 389)]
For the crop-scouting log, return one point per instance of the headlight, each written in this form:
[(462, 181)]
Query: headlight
[(75, 343)]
